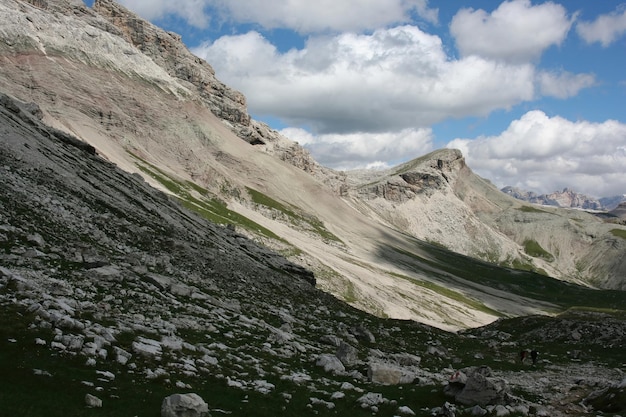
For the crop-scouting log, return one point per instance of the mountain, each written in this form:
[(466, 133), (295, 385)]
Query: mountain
[(566, 198), (155, 240), (145, 103), (611, 203)]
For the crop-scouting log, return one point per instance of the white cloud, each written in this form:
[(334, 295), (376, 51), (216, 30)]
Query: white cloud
[(390, 80), (606, 29), (363, 150), (323, 15), (545, 154), (563, 84), (516, 31), (301, 16), (192, 11)]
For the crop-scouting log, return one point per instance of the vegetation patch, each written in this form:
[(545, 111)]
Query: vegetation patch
[(451, 294), (211, 209), (619, 233), (295, 218), (527, 284), (534, 249), (531, 209)]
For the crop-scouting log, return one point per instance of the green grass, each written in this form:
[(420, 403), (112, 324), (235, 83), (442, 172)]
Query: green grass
[(295, 218), (451, 294), (534, 249), (619, 233), (531, 209), (210, 208)]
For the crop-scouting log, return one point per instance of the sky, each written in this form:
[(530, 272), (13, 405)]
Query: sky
[(532, 92)]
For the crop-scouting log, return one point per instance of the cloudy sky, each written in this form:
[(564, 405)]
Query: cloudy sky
[(532, 92)]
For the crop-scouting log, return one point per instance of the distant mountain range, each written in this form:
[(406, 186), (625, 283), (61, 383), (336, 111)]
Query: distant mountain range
[(566, 198)]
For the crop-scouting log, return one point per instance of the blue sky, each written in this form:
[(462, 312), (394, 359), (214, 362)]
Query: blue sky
[(532, 92)]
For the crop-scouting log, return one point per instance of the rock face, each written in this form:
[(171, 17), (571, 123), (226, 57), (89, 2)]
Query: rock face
[(168, 52), (184, 405)]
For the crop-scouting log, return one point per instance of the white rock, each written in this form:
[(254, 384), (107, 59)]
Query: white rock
[(337, 395), (404, 410), (121, 356), (184, 405), (370, 399), (330, 363), (147, 347), (93, 401)]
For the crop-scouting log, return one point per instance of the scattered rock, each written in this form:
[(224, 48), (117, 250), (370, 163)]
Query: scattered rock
[(330, 363), (92, 401), (184, 405)]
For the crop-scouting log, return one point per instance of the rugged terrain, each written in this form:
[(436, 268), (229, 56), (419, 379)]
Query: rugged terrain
[(114, 295), (154, 239)]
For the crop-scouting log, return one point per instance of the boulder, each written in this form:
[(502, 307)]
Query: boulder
[(388, 374), (347, 354), (184, 405), (330, 363), (475, 386), (92, 401)]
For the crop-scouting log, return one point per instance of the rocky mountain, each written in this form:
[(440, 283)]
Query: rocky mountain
[(137, 96), (611, 203), (161, 250), (566, 198)]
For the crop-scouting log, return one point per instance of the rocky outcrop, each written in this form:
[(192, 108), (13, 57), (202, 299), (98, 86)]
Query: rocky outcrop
[(167, 50), (426, 175)]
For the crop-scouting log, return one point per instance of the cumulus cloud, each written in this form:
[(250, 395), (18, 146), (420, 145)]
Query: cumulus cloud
[(544, 154), (323, 15), (302, 16), (363, 150), (389, 80), (563, 84), (516, 31), (606, 29), (192, 11)]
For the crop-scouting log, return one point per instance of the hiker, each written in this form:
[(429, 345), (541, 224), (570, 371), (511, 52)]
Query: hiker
[(533, 356), (522, 356)]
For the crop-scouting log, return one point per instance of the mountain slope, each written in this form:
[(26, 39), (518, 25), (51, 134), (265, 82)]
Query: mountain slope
[(114, 295), (439, 199), (153, 109)]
